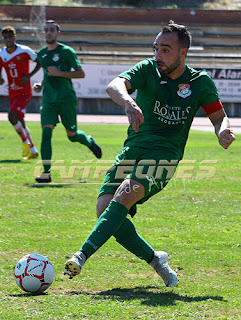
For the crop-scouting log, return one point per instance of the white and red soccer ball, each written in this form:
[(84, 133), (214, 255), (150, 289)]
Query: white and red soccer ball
[(34, 273)]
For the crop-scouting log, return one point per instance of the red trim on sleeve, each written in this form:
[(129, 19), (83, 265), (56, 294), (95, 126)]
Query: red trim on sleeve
[(212, 107)]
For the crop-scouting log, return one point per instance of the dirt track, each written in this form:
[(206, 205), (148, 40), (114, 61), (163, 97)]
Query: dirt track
[(199, 123)]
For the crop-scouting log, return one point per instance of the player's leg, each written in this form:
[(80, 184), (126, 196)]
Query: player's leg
[(88, 141), (49, 118), (18, 127), (17, 123), (113, 216), (108, 223), (153, 173), (33, 152), (73, 266), (68, 118), (106, 193), (113, 221), (130, 239), (46, 153), (126, 234), (18, 105)]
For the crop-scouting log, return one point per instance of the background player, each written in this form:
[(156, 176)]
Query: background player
[(169, 93), (59, 97), (14, 58)]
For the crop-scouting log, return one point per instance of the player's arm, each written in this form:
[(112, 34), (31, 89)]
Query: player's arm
[(36, 68), (73, 74), (221, 125), (25, 79), (118, 91), (1, 79)]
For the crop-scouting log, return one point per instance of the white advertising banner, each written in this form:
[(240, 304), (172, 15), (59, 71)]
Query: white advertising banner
[(227, 81), (97, 77)]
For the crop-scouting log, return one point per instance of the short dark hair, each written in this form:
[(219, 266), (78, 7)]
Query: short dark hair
[(184, 36), (8, 29), (54, 23)]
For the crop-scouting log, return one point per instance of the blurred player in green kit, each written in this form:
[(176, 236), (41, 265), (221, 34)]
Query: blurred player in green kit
[(60, 65), (169, 94)]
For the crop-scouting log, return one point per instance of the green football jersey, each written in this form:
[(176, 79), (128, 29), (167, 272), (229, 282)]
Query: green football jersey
[(58, 89), (168, 106)]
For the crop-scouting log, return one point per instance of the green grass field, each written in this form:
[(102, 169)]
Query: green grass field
[(196, 219)]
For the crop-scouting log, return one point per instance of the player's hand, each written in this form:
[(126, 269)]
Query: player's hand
[(226, 137), (54, 71), (37, 87), (24, 80), (1, 81), (134, 114)]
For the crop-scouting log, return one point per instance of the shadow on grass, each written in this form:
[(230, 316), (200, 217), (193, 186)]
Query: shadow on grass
[(28, 294), (12, 161), (48, 185), (147, 295), (54, 185)]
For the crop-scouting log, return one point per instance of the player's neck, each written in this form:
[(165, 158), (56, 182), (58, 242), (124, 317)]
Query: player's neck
[(52, 46), (11, 49), (177, 72)]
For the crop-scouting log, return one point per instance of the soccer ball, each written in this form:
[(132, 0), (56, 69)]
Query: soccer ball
[(34, 273)]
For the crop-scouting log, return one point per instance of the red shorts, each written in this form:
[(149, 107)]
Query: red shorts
[(19, 104)]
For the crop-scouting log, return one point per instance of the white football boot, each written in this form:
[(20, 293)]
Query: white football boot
[(161, 266), (73, 266)]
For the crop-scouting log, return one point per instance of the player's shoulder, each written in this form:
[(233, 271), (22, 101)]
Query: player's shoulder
[(65, 47), (145, 64), (23, 48), (42, 50), (148, 62), (3, 52), (197, 73)]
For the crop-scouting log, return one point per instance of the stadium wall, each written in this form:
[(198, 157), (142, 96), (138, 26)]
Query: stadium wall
[(106, 16), (128, 15)]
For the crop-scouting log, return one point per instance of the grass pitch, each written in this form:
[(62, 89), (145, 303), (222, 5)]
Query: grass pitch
[(196, 219)]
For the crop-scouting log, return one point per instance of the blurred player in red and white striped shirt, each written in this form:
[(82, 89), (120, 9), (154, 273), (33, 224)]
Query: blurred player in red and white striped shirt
[(14, 58)]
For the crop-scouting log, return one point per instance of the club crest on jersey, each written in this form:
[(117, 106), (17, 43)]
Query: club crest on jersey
[(184, 90), (56, 57)]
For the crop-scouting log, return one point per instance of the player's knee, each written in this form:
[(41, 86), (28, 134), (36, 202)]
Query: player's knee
[(12, 117), (72, 138), (102, 203), (129, 192), (27, 130)]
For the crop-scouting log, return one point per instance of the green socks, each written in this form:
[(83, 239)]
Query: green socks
[(82, 138), (129, 238), (105, 227), (113, 222), (46, 148)]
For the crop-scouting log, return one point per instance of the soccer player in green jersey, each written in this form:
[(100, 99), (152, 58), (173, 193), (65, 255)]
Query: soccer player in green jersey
[(169, 93), (59, 97)]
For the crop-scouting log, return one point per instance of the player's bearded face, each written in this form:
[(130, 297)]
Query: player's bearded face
[(167, 53), (51, 34), (166, 69)]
